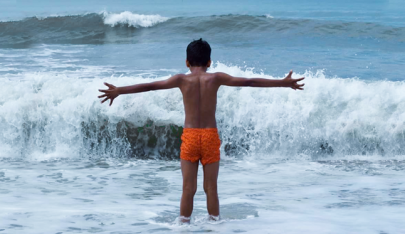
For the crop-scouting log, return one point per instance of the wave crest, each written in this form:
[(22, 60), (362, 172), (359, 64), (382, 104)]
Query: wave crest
[(133, 20)]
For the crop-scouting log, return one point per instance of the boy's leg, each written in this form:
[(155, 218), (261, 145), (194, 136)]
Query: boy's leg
[(189, 171), (210, 187)]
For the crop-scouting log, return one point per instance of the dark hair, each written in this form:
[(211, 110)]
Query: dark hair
[(198, 53)]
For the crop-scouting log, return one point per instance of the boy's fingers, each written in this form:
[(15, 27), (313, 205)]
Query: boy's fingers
[(111, 101), (105, 99), (104, 90), (102, 95), (299, 79), (109, 85)]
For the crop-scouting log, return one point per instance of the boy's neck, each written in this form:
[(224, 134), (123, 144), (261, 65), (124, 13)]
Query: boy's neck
[(198, 69)]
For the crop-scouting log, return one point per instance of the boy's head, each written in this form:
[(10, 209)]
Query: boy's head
[(199, 54)]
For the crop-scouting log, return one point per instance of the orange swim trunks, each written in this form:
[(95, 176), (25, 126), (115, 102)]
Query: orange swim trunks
[(200, 144)]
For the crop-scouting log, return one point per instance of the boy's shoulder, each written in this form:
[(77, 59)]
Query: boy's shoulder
[(206, 74), (215, 77)]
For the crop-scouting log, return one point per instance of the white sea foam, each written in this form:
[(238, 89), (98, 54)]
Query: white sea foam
[(42, 116), (132, 19), (103, 196), (50, 112)]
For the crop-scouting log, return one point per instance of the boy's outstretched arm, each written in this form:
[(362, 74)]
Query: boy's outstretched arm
[(288, 82), (112, 92)]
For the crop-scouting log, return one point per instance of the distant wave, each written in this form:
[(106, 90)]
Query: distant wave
[(43, 114), (133, 20), (123, 27)]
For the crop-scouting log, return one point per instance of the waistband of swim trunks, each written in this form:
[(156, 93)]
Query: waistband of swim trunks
[(200, 129)]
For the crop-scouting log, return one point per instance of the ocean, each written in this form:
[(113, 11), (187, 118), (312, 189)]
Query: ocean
[(329, 159)]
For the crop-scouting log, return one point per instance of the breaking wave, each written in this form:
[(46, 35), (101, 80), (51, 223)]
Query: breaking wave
[(60, 116)]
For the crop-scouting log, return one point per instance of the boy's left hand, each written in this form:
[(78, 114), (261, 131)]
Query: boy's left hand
[(292, 83), (111, 93)]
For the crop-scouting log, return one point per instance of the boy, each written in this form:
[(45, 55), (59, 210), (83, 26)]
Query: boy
[(200, 139)]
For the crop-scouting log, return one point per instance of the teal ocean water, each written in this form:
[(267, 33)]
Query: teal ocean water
[(329, 159)]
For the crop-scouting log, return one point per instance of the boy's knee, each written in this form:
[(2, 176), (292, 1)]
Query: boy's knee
[(210, 188), (189, 189)]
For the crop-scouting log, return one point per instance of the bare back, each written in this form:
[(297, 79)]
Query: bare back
[(200, 99)]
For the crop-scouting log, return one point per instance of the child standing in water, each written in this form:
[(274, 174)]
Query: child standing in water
[(200, 139)]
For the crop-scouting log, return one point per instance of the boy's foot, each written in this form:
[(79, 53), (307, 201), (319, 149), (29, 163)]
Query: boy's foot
[(213, 218), (184, 220)]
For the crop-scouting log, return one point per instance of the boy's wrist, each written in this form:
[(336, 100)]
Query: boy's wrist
[(119, 91), (284, 83)]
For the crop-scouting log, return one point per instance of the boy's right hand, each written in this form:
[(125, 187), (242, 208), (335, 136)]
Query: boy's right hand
[(292, 83), (111, 93)]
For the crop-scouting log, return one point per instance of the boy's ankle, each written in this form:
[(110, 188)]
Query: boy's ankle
[(184, 220)]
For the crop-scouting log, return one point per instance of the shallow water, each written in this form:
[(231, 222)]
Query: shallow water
[(257, 195)]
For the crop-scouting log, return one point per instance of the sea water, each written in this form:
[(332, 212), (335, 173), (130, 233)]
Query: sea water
[(329, 159)]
